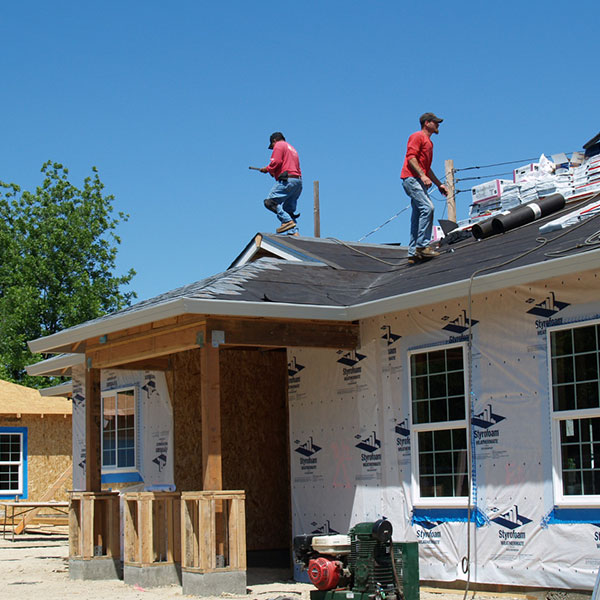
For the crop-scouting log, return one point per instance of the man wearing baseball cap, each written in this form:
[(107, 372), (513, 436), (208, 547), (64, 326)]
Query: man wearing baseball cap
[(284, 167), (417, 178)]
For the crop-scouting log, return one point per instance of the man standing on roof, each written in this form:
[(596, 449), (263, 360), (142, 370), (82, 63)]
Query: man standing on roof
[(417, 178), (285, 169)]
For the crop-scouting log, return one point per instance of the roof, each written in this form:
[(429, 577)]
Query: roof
[(328, 279), (17, 399)]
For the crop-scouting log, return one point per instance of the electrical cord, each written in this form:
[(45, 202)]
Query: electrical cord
[(383, 224), (381, 260)]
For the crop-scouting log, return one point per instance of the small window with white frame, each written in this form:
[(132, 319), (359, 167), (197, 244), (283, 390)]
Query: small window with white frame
[(439, 426), (11, 463), (575, 383), (119, 429)]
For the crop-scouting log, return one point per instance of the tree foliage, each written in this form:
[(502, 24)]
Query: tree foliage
[(58, 248)]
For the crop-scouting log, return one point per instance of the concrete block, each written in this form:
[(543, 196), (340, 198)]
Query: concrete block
[(95, 568), (213, 583), (152, 575)]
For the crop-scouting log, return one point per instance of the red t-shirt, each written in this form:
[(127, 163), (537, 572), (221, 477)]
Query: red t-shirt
[(420, 147), (284, 158)]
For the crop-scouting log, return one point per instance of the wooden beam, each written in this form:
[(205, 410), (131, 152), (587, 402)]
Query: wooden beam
[(281, 334), (160, 363), (210, 398), (146, 346), (92, 431)]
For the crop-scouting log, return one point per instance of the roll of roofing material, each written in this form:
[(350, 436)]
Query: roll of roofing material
[(483, 230), (528, 213)]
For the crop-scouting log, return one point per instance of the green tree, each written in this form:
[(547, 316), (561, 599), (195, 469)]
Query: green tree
[(58, 248)]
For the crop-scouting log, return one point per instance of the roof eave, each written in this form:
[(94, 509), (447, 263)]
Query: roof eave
[(483, 283)]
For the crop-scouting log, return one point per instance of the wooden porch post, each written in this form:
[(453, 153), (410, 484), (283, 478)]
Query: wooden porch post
[(92, 431), (210, 395)]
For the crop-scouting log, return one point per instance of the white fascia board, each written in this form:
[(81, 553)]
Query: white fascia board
[(63, 389), (265, 245), (105, 326), (482, 283), (55, 365), (183, 306)]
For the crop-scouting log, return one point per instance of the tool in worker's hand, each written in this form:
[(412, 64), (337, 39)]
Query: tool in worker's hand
[(254, 168)]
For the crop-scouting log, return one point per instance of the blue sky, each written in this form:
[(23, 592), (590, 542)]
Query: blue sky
[(172, 101)]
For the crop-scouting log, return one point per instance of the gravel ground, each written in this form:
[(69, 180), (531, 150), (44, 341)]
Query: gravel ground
[(35, 567)]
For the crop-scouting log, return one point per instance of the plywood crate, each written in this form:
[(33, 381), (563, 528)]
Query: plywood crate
[(94, 525), (152, 524), (213, 531)]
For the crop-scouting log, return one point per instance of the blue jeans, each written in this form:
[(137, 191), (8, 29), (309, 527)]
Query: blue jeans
[(284, 195), (421, 219)]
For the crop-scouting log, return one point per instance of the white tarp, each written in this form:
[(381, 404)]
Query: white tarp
[(350, 436), (154, 426)]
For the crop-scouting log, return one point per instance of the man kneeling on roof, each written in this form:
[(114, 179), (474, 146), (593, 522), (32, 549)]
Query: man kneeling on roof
[(283, 197)]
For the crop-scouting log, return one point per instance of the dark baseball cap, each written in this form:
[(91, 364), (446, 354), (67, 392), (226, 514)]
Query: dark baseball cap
[(429, 116), (275, 137)]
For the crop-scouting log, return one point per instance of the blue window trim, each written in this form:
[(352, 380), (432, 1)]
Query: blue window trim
[(23, 431), (560, 516), (434, 516), (128, 477)]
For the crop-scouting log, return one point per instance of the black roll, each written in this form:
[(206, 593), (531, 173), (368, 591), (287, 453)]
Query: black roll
[(482, 230), (521, 215)]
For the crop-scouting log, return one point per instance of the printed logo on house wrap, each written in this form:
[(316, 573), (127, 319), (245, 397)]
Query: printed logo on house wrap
[(459, 326), (78, 399), (161, 449), (547, 308), (149, 386), (350, 360), (308, 461), (370, 457), (427, 533), (402, 436), (390, 340), (484, 427), (596, 535), (294, 369), (325, 528), (509, 522)]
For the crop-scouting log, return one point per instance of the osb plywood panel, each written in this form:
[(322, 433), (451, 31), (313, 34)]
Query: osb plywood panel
[(254, 441), (17, 399), (48, 450), (184, 387)]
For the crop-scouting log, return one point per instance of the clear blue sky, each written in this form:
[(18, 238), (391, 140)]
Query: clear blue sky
[(172, 101)]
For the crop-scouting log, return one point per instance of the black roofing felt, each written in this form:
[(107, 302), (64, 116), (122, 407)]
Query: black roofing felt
[(361, 276)]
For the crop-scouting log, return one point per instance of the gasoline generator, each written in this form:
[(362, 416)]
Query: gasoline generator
[(363, 565)]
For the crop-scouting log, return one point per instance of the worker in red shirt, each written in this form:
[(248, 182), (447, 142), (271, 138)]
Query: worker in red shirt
[(283, 197), (417, 178)]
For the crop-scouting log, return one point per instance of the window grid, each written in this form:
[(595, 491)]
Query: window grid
[(11, 458), (437, 383), (575, 380), (118, 432)]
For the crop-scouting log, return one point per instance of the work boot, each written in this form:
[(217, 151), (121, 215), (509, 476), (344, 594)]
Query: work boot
[(413, 259), (427, 252), (286, 226)]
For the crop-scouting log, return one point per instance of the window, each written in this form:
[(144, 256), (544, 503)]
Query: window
[(575, 381), (118, 429), (11, 462), (437, 387)]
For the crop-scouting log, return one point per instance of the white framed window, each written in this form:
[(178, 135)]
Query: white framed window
[(119, 425), (439, 426), (11, 463), (574, 353)]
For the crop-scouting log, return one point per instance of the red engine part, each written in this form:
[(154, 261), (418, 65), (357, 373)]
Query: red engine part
[(324, 572)]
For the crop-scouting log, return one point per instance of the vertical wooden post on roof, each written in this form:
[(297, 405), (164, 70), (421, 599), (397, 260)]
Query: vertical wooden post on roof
[(317, 209), (450, 185), (210, 394), (92, 431)]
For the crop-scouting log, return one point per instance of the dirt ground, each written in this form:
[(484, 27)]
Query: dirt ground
[(35, 567)]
